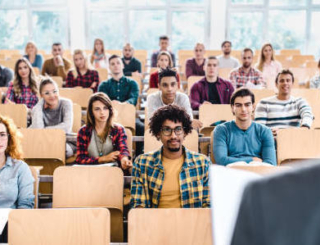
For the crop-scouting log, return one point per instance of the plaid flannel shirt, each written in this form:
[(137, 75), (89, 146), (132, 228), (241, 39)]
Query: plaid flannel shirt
[(148, 175), (239, 78), (84, 81), (27, 97), (119, 142)]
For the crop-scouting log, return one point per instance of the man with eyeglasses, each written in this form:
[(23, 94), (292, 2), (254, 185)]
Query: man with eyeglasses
[(173, 176), (243, 140)]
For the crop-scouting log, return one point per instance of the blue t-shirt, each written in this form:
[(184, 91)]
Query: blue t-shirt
[(37, 62), (232, 144)]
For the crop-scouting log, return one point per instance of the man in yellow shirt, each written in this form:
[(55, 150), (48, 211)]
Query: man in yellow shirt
[(173, 176)]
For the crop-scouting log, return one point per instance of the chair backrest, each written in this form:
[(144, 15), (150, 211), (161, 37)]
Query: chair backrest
[(210, 113), (114, 51), (103, 74), (77, 116), (152, 144), (192, 80), (224, 73), (35, 175), (59, 226), (8, 63), (290, 52), (125, 115), (18, 113), (296, 143), (58, 80), (311, 64), (169, 226), (261, 169), (299, 60), (213, 52), (261, 94), (88, 186), (129, 140), (80, 96), (44, 144)]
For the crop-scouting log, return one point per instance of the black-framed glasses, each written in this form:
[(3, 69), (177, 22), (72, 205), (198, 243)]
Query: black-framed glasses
[(167, 131)]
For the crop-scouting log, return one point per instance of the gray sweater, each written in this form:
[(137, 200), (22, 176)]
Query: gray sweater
[(61, 117), (154, 102)]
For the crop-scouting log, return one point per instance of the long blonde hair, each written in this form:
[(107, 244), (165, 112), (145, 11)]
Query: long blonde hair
[(166, 53), (17, 81), (94, 49), (262, 59), (86, 63)]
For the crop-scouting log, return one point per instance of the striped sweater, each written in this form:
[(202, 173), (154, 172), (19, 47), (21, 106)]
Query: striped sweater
[(276, 113)]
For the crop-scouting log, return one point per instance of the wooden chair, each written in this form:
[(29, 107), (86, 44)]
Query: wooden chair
[(296, 143), (261, 169), (2, 57), (36, 71), (35, 175), (209, 114), (44, 147), (58, 80), (192, 80), (152, 144), (8, 63), (311, 64), (213, 52), (224, 73), (59, 226), (302, 75), (260, 94), (91, 186), (299, 60), (9, 52), (125, 115), (170, 226), (103, 74), (290, 52), (77, 115), (114, 51), (79, 96), (17, 112), (15, 57)]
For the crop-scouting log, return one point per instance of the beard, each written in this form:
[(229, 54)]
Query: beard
[(127, 58), (226, 52), (246, 65), (173, 149)]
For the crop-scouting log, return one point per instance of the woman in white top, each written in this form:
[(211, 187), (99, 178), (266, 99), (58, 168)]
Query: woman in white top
[(99, 59), (268, 65)]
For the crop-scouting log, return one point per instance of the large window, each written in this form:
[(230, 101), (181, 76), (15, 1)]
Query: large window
[(43, 21), (141, 22), (287, 24)]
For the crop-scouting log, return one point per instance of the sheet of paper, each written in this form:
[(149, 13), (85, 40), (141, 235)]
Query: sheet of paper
[(4, 214), (226, 189)]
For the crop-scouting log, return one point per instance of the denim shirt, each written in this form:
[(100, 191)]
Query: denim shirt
[(16, 185)]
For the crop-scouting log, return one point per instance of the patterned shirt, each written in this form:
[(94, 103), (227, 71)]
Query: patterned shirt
[(119, 142), (252, 79), (148, 176), (124, 90), (84, 81), (315, 81), (27, 97)]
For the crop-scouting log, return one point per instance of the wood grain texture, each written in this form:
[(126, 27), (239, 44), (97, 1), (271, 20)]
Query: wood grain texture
[(79, 96), (59, 226), (17, 112), (169, 226)]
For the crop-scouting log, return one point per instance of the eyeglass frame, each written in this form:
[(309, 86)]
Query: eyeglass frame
[(171, 130)]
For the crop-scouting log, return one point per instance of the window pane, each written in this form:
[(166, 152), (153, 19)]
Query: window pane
[(247, 1), (13, 29), (288, 2), (314, 47), (187, 1), (49, 27), (147, 2), (284, 32), (187, 29), (146, 27), (12, 3), (244, 32), (316, 1), (108, 26), (46, 1), (106, 2)]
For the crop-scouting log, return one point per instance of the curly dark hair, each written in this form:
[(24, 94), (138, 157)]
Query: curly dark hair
[(173, 113)]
